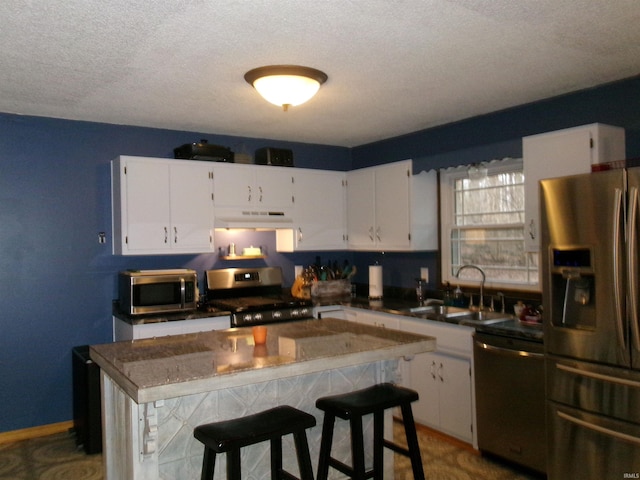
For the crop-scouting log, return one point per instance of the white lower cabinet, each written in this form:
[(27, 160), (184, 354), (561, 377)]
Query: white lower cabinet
[(444, 385), (443, 379), (329, 311), (376, 319), (126, 331)]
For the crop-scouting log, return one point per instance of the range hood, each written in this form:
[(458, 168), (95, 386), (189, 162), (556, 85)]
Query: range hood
[(252, 218)]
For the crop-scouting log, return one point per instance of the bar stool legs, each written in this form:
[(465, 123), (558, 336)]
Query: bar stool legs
[(302, 453), (413, 450), (231, 435), (352, 407)]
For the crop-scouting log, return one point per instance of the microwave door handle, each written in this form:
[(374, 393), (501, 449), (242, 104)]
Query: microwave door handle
[(617, 281), (183, 289), (632, 265)]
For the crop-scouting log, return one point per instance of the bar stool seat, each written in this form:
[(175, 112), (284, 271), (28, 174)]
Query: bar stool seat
[(352, 407), (230, 436)]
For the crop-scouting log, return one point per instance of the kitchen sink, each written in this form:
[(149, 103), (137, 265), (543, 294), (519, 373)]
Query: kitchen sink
[(440, 310), (483, 318), (458, 315)]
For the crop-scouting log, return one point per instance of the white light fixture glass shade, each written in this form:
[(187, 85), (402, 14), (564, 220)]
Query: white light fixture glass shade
[(286, 85)]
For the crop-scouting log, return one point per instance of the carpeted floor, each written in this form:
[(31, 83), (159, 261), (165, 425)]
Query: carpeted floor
[(56, 457)]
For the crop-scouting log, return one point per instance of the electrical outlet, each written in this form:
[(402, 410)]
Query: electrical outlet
[(102, 237)]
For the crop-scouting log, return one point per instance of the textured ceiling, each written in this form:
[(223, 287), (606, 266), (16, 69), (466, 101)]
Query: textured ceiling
[(394, 66)]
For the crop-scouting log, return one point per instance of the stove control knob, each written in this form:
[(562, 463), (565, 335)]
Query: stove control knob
[(295, 312), (305, 312), (277, 314), (257, 317), (246, 317)]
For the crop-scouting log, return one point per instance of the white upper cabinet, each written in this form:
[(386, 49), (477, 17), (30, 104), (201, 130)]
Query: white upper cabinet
[(164, 206), (252, 195), (161, 206), (319, 212), (563, 152), (388, 208), (360, 208)]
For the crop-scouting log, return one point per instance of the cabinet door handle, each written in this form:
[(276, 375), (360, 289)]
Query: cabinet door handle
[(299, 234), (378, 234), (532, 230), (249, 187), (260, 190), (371, 233), (175, 234), (440, 373), (166, 235), (433, 369)]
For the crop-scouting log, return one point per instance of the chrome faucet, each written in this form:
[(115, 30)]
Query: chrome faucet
[(501, 295), (457, 275)]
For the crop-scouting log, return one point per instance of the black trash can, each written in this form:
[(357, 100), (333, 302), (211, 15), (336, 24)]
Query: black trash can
[(87, 411)]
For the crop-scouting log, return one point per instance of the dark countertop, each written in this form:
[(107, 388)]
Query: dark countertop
[(395, 306), (512, 327)]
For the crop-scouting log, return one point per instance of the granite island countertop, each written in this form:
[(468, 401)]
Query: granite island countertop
[(173, 366)]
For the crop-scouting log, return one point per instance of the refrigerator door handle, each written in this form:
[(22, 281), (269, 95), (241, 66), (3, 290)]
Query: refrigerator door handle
[(617, 283), (632, 265), (598, 376), (598, 428)]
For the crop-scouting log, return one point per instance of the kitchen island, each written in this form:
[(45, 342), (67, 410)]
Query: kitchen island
[(156, 391)]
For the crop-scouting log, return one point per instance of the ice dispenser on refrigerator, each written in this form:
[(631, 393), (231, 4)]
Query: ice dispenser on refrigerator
[(572, 288)]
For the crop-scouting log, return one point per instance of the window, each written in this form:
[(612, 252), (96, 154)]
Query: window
[(483, 225)]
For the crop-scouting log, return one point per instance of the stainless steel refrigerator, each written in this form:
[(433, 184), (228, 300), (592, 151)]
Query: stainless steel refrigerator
[(591, 297)]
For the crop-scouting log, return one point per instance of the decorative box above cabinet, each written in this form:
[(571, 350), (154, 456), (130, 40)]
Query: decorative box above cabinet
[(161, 206), (389, 208), (560, 153)]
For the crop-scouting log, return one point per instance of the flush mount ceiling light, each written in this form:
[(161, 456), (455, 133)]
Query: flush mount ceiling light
[(286, 85)]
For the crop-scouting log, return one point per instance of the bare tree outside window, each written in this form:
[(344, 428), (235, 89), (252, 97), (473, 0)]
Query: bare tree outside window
[(483, 224)]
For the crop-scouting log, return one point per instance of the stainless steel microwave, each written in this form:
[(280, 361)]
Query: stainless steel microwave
[(157, 291)]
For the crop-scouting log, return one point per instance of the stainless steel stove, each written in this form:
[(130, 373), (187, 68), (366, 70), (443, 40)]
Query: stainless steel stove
[(254, 296)]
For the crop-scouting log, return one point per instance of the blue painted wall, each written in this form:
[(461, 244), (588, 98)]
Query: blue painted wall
[(494, 136), (58, 282), (499, 134)]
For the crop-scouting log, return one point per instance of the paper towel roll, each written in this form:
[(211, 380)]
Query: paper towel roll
[(375, 281)]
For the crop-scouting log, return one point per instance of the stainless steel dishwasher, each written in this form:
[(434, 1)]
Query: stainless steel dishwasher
[(510, 399)]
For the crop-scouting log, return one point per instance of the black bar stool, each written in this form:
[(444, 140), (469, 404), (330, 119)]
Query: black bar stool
[(230, 436), (353, 406)]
